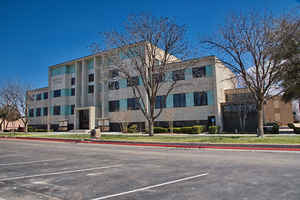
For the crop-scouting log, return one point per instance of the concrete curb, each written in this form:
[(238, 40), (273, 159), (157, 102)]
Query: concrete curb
[(273, 147)]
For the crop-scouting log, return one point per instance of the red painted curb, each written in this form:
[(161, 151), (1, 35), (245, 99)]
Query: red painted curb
[(151, 144)]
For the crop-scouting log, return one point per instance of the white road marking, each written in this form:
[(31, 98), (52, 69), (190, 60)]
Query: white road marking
[(57, 173), (29, 162), (95, 174), (1, 198), (150, 187)]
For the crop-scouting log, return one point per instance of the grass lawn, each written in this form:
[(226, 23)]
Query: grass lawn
[(177, 138)]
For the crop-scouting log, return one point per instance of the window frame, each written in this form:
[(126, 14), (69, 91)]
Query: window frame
[(178, 75), (91, 89), (199, 72), (179, 100), (114, 106)]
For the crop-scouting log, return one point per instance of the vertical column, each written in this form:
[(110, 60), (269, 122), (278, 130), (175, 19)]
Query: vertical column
[(96, 88), (49, 100), (84, 76), (78, 71)]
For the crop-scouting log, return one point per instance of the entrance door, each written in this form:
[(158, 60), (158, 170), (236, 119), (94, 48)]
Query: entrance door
[(84, 119)]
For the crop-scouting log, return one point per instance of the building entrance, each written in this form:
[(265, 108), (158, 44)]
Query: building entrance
[(84, 119)]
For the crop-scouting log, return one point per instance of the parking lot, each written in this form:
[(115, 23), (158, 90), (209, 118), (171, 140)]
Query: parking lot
[(47, 170)]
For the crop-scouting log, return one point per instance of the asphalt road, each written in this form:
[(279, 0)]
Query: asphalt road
[(46, 170)]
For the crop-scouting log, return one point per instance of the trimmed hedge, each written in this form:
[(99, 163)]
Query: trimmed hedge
[(176, 130), (213, 129), (198, 129), (160, 130), (132, 128), (296, 129)]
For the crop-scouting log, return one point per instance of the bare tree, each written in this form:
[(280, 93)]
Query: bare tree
[(144, 49), (15, 96), (245, 44)]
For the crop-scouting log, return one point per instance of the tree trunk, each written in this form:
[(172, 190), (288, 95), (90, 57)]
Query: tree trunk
[(260, 120), (150, 127)]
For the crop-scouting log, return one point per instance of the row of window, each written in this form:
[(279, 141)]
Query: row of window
[(41, 96), (177, 100), (196, 72), (71, 92), (57, 110)]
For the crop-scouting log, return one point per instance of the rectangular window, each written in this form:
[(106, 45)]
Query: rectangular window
[(113, 85), (132, 104), (200, 98), (39, 97), (72, 109), (199, 72), (91, 77), (38, 112), (113, 73), (133, 81), (91, 89), (159, 77), (45, 111), (45, 95), (160, 102), (57, 93), (114, 106), (31, 111), (73, 92), (56, 110), (73, 81), (178, 75), (179, 100)]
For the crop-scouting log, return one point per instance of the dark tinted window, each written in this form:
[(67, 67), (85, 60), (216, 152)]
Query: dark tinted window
[(73, 81), (31, 111), (72, 109), (179, 100), (114, 106), (200, 98), (45, 95), (132, 104), (38, 112), (113, 73), (91, 77), (132, 81), (56, 93), (178, 75), (45, 111), (199, 72), (113, 85), (160, 102), (159, 77), (73, 92), (38, 97), (91, 89), (56, 110)]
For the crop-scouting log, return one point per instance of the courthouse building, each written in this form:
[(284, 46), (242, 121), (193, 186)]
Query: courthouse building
[(84, 93)]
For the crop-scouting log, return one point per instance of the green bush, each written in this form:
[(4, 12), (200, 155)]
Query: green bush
[(187, 130), (160, 130), (177, 130), (198, 129), (132, 128), (296, 129), (213, 129), (273, 130)]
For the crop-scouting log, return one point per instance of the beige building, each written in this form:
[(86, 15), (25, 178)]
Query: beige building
[(86, 92)]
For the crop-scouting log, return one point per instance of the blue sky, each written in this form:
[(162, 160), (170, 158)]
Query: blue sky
[(35, 34)]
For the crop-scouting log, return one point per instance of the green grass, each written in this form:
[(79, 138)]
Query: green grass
[(178, 138)]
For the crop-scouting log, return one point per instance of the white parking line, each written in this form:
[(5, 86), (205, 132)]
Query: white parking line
[(150, 187), (57, 173), (29, 162), (95, 174)]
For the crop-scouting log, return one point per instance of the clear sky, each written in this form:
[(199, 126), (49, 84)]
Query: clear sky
[(35, 34)]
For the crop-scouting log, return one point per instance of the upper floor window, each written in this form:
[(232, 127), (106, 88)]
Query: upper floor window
[(198, 72), (56, 110), (90, 89), (113, 85), (200, 98), (39, 97), (57, 93), (132, 104), (38, 112), (45, 111), (178, 75), (31, 111), (133, 81), (45, 95), (114, 106), (91, 77), (73, 81), (160, 102), (72, 91), (159, 77), (179, 100)]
